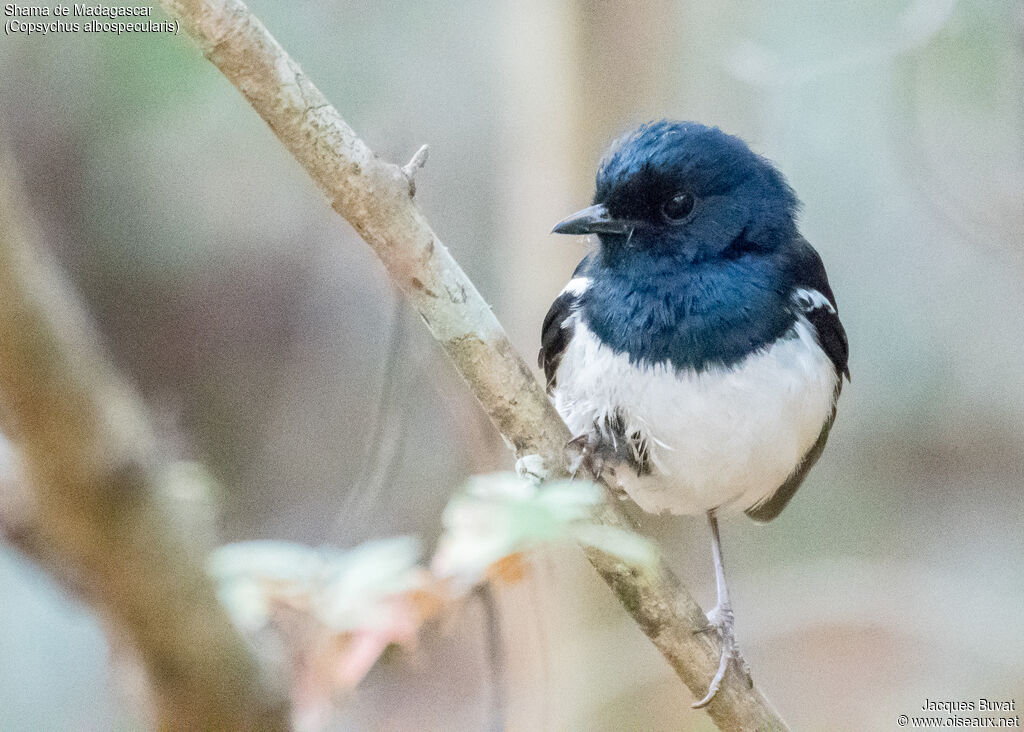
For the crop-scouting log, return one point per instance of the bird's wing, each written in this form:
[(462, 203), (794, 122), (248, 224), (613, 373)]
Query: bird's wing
[(813, 298), (820, 311), (558, 324)]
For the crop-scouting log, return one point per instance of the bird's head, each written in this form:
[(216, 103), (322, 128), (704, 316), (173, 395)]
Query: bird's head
[(684, 190)]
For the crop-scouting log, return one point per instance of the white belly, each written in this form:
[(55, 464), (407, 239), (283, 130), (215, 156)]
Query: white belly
[(722, 437)]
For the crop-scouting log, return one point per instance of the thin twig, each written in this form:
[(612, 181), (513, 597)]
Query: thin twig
[(360, 494), (409, 170), (375, 197), (495, 656)]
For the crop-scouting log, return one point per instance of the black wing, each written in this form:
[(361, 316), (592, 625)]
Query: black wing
[(558, 327), (832, 337), (823, 315), (811, 277)]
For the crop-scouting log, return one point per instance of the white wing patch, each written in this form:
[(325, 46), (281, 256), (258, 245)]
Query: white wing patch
[(576, 286), (808, 300)]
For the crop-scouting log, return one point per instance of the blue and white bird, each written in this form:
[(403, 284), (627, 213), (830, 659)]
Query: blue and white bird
[(697, 353)]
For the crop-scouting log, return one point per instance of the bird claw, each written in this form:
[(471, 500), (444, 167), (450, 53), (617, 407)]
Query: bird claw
[(721, 621), (587, 456), (594, 453)]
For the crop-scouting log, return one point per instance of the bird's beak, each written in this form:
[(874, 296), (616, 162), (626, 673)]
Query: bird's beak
[(593, 220)]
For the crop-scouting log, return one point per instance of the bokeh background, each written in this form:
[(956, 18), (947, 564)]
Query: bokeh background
[(270, 345)]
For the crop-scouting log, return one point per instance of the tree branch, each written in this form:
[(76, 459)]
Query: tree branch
[(376, 197), (93, 513)]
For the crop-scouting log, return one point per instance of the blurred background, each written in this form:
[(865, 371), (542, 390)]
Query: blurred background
[(270, 345)]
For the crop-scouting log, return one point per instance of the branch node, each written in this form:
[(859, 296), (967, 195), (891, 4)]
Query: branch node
[(409, 170)]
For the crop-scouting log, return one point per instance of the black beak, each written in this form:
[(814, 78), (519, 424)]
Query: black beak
[(593, 220)]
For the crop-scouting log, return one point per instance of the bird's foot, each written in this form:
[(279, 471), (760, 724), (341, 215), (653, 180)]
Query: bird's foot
[(592, 454), (722, 621), (584, 456)]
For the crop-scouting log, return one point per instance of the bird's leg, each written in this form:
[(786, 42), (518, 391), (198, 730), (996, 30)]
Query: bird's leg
[(721, 620)]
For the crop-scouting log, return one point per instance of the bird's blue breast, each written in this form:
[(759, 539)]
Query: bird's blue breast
[(692, 315)]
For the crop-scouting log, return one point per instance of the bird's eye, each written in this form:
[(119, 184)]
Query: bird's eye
[(678, 207)]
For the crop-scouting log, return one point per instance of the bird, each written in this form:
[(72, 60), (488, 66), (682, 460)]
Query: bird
[(696, 353)]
